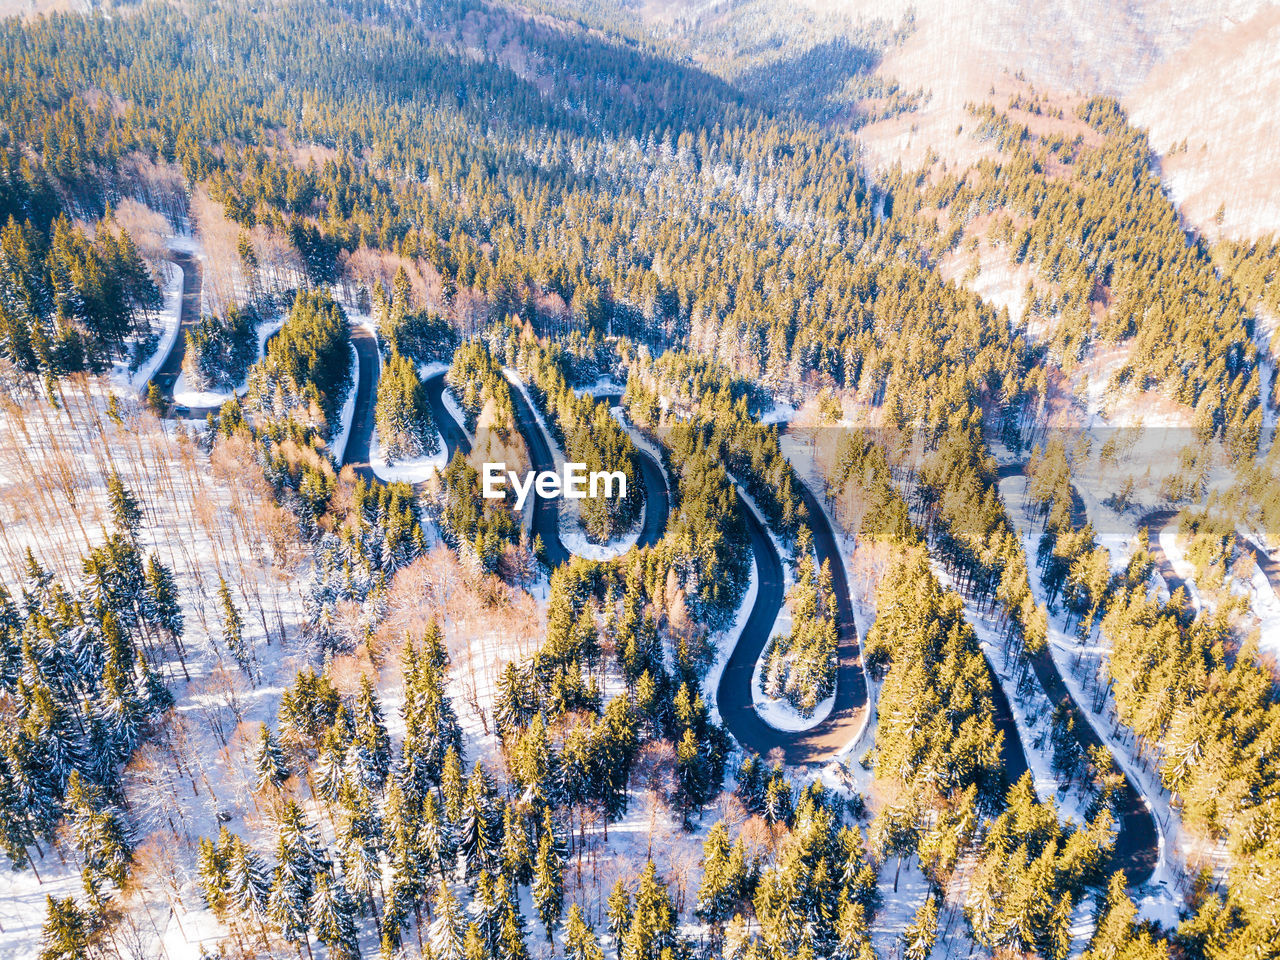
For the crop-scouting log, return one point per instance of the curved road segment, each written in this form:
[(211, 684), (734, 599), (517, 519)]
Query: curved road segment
[(546, 512), (735, 696), (166, 375)]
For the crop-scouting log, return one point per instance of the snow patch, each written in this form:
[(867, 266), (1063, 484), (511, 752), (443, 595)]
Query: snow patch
[(348, 408), (170, 320), (412, 471)]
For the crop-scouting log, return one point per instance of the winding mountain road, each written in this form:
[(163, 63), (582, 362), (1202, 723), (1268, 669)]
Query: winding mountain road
[(1137, 848), (546, 511), (734, 694), (1136, 844), (455, 437)]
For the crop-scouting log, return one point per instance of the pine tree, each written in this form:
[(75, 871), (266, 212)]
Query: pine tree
[(922, 932), (332, 916), (511, 942), (298, 860), (853, 938), (653, 922), (580, 941), (233, 629), (723, 878), (448, 928), (452, 788), (212, 868), (100, 837), (372, 745), (359, 836), (515, 847), (330, 772), (1118, 935), (248, 888), (269, 761), (125, 511), (66, 931), (163, 610), (548, 884), (479, 842), (489, 911), (693, 778), (510, 711), (619, 913)]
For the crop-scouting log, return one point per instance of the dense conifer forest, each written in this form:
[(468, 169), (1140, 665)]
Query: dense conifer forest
[(262, 696)]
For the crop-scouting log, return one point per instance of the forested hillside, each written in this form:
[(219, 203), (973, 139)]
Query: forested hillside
[(276, 679)]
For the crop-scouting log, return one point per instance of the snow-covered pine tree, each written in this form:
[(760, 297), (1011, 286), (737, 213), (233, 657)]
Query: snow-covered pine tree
[(125, 511), (516, 862), (332, 917), (511, 938), (580, 941), (853, 937), (248, 886), (922, 932), (489, 911), (448, 928), (65, 935), (511, 711), (233, 630), (101, 839), (480, 840), (369, 756), (548, 884), (270, 765), (162, 608), (360, 843), (619, 912)]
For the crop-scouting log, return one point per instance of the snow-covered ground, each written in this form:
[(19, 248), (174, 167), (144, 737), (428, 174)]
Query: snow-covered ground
[(348, 409), (169, 322), (203, 523), (415, 470), (778, 712), (576, 542), (605, 386)]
